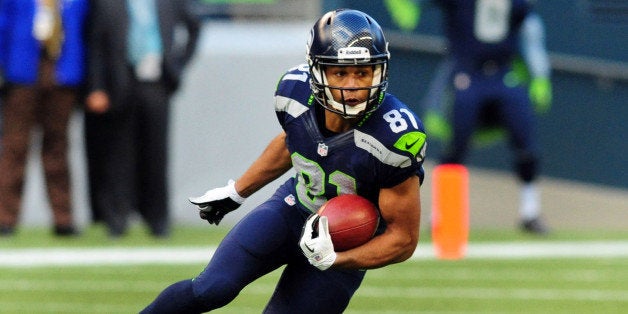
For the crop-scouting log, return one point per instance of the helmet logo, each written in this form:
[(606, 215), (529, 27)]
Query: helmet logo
[(354, 53)]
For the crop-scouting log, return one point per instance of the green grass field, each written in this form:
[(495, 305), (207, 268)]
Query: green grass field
[(426, 285)]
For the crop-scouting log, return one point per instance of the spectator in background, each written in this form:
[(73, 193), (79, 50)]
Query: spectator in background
[(42, 58), (493, 88), (2, 26), (136, 62)]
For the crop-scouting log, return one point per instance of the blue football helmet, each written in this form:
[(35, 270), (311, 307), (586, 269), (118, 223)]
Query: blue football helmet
[(347, 37)]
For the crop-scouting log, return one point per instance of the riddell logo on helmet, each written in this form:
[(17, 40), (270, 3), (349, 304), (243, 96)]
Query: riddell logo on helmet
[(354, 53)]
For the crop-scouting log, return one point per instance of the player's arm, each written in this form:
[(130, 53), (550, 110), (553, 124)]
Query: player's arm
[(270, 165), (400, 207), (536, 58)]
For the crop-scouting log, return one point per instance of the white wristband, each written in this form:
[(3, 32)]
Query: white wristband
[(233, 194)]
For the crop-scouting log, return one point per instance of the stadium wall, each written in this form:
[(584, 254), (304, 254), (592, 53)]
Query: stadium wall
[(582, 134), (223, 118)]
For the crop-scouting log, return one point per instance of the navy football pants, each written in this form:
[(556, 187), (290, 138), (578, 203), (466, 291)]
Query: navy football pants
[(513, 111), (266, 239)]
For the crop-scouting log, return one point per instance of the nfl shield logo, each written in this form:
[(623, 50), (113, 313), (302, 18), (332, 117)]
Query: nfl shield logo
[(322, 149), (290, 200)]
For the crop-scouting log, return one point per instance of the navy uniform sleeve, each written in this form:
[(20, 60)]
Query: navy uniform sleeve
[(395, 136), (292, 96)]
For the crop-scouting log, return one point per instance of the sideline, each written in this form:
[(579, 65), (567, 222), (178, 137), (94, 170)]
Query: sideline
[(59, 257)]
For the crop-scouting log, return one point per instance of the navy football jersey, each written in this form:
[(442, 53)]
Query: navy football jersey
[(482, 30), (383, 150)]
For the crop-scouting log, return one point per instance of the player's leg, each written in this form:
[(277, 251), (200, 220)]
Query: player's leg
[(464, 116), (305, 289), (229, 271), (519, 118), (260, 243)]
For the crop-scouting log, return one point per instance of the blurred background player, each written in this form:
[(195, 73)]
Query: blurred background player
[(43, 60), (136, 63), (499, 72), (342, 134)]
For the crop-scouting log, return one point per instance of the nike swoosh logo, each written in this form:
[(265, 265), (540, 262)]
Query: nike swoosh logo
[(308, 248), (408, 145)]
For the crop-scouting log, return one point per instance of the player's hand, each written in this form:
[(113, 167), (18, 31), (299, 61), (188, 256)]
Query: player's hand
[(97, 102), (437, 126), (541, 94), (316, 242), (216, 203)]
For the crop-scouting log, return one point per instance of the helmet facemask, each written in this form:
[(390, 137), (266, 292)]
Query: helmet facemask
[(323, 91)]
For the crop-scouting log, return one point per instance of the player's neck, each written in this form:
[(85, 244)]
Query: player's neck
[(337, 124)]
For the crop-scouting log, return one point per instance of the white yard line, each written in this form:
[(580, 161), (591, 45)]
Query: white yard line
[(42, 257), (45, 257), (568, 249)]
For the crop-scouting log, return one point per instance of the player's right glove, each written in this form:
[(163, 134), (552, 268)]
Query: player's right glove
[(316, 242), (216, 203)]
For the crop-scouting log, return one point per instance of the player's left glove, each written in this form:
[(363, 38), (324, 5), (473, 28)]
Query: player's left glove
[(316, 242), (216, 203), (541, 94)]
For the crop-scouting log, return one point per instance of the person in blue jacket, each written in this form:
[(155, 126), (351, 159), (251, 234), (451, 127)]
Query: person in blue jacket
[(42, 56), (1, 79)]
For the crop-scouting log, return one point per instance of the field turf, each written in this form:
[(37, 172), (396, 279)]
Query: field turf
[(422, 285)]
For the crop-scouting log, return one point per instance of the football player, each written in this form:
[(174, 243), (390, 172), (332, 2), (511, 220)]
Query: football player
[(342, 134), (491, 89)]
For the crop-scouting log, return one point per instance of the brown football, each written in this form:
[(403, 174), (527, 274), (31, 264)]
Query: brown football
[(352, 220)]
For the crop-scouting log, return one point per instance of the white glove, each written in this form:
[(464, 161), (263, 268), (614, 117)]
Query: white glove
[(216, 203), (316, 242)]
